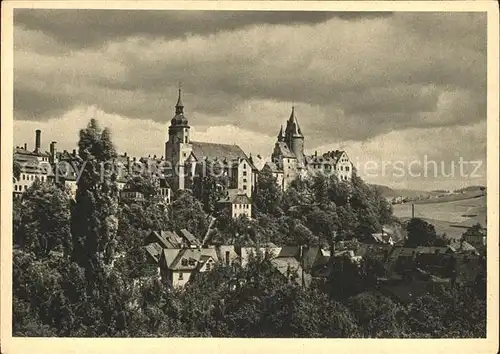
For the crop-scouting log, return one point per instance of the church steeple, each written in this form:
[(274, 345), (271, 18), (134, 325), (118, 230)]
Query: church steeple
[(179, 107), (179, 118)]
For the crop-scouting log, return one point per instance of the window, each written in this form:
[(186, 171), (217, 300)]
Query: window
[(244, 187), (342, 168), (244, 166), (227, 257), (15, 188), (181, 276), (24, 177), (244, 180), (347, 168), (244, 173), (186, 139), (208, 266), (184, 154)]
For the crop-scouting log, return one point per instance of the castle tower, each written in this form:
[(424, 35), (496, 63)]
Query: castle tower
[(294, 138), (178, 147)]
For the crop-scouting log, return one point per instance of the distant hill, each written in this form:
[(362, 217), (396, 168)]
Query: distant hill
[(388, 192), (470, 189)]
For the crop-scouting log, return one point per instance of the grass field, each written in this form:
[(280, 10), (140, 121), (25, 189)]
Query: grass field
[(448, 217)]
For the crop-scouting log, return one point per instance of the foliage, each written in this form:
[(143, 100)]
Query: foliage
[(16, 171), (94, 220), (420, 233), (187, 213), (42, 220), (267, 196), (109, 288)]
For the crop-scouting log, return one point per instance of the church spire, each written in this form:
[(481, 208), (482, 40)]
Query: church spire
[(179, 107)]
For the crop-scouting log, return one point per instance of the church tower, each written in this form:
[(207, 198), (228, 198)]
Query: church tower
[(178, 147), (294, 139)]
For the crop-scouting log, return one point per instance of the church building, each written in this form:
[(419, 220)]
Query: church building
[(190, 159)]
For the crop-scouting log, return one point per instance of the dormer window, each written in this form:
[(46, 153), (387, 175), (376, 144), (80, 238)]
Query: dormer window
[(184, 262)]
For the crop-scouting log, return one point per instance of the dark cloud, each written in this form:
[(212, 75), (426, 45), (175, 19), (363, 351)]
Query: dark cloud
[(86, 28), (34, 104), (350, 79)]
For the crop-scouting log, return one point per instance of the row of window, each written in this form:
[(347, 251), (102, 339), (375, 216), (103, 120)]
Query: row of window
[(20, 188), (242, 206), (26, 177)]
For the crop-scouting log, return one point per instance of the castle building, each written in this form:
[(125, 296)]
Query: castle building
[(288, 160), (190, 159)]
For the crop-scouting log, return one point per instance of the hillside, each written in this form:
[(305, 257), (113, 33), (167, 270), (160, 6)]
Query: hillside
[(388, 192), (450, 217)]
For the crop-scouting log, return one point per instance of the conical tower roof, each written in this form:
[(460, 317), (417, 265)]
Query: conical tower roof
[(292, 125)]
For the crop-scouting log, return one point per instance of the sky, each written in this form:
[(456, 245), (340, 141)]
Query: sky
[(404, 94)]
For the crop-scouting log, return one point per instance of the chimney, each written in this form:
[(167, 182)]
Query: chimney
[(74, 152), (25, 146), (316, 153), (38, 138), (53, 151), (125, 154)]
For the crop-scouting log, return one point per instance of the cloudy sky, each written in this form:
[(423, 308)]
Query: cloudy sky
[(405, 89)]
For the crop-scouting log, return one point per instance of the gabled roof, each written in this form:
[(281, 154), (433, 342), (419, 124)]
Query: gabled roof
[(22, 151), (154, 251), (167, 239), (289, 251), (189, 237), (169, 256), (273, 167), (434, 250), (212, 151), (462, 246), (235, 196), (289, 266), (192, 256)]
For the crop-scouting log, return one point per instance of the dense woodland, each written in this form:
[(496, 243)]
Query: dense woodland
[(79, 268)]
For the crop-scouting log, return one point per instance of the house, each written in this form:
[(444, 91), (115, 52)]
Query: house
[(177, 266), (246, 252), (237, 203), (416, 283), (291, 268), (130, 196), (34, 165), (226, 254), (381, 238)]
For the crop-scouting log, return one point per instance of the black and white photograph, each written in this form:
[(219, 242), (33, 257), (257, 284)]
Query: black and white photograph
[(249, 173)]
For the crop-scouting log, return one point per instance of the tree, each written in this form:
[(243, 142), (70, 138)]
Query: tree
[(187, 213), (16, 171), (143, 184), (420, 233), (267, 196), (376, 315), (44, 221), (94, 216), (301, 235)]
